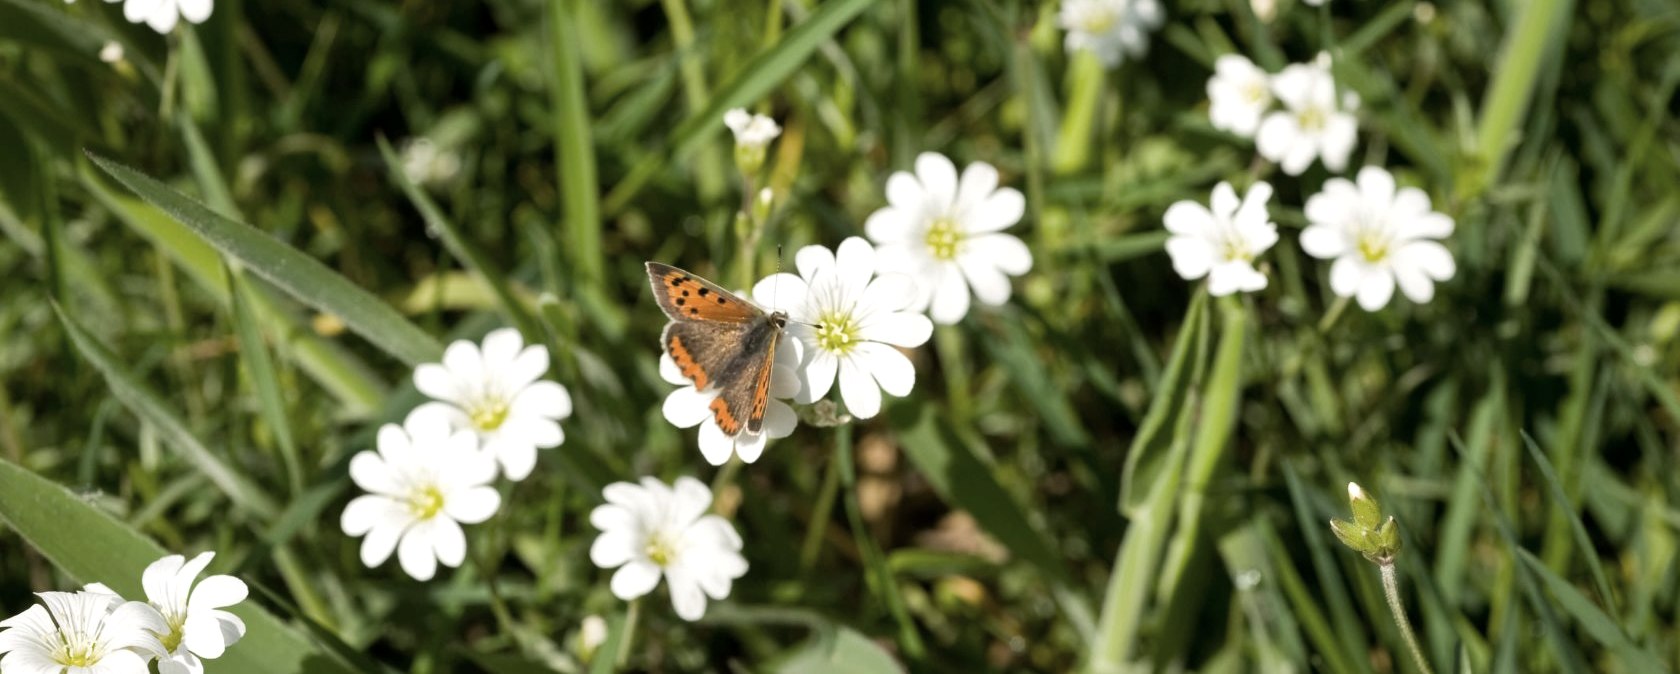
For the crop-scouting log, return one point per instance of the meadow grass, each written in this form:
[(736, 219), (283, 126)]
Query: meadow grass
[(224, 254)]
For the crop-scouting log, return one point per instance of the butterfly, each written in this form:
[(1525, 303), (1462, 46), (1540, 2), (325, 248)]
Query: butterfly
[(720, 342)]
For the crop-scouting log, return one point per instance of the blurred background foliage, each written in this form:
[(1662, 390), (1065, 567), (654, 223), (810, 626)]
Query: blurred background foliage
[(1523, 426)]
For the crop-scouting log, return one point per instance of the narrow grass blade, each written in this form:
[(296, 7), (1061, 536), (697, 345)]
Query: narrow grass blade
[(341, 373), (1018, 355), (1562, 502), (1537, 28), (1146, 458), (265, 380), (151, 408), (296, 273), (574, 146), (1591, 618), (463, 248), (91, 546)]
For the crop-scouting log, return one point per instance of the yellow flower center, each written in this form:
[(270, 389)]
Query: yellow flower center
[(837, 333), (1256, 92), (1312, 119), (76, 651), (488, 413), (177, 631), (425, 502), (1373, 246), (1100, 20), (1236, 249), (660, 551), (943, 238)]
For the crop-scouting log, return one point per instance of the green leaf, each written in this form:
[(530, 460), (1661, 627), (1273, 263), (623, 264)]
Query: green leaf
[(1579, 529), (1591, 618), (574, 145), (91, 546), (259, 366), (842, 651), (1145, 458), (151, 408), (296, 273)]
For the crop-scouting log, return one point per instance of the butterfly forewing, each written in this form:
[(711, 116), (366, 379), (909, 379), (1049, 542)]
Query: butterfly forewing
[(686, 297)]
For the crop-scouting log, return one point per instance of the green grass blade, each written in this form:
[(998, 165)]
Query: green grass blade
[(1146, 458), (1562, 502), (1591, 618), (152, 409), (91, 546), (463, 248), (296, 273), (574, 146), (755, 80), (1538, 27), (265, 381)]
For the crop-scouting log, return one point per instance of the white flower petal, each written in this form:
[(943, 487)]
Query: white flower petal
[(686, 407), (950, 296), (1324, 241), (1190, 219), (858, 389), (1429, 256), (435, 381), (462, 359), (1006, 252), (1345, 275), (854, 264), (988, 282), (380, 542), (1000, 211), (896, 328), (938, 177), (516, 457), (472, 506), (977, 183), (1426, 226), (1192, 258), (905, 193), (889, 225), (819, 376), (749, 446), (812, 261), (499, 349), (634, 579), (715, 446), (449, 543), (1375, 288), (217, 592), (415, 552), (686, 596), (1376, 186), (544, 399), (195, 11), (1414, 284), (890, 368), (615, 547)]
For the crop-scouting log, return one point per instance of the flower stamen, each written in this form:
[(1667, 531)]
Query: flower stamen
[(837, 333), (425, 502), (660, 551), (944, 237), (489, 413)]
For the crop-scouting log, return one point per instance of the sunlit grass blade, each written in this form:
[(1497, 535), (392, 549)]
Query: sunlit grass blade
[(296, 273), (265, 381), (1535, 31), (574, 145), (755, 80), (91, 546), (341, 373), (153, 410), (1146, 458), (462, 247)]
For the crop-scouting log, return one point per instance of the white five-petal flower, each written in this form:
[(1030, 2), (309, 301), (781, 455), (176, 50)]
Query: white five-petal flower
[(851, 322), (1239, 93), (652, 530), (1312, 125), (1110, 29), (88, 632), (197, 627), (1378, 236), (751, 130), (946, 234), (495, 393), (423, 482), (162, 15), (1222, 243)]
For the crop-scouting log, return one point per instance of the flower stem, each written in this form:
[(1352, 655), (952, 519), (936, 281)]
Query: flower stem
[(624, 641), (948, 342), (820, 516), (1331, 316), (1391, 589)]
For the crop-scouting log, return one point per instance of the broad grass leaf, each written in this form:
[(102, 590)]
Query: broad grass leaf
[(91, 546), (1145, 458), (301, 275)]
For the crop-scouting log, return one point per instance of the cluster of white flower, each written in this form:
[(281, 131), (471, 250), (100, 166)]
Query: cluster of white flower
[(655, 530), (180, 625), (1313, 123), (490, 410), (162, 15), (1110, 29), (1378, 235)]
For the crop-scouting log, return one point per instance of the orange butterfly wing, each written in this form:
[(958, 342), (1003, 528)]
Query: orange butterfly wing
[(719, 341), (686, 297)]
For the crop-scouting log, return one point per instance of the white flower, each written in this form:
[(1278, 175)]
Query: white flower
[(112, 52), (688, 406), (1314, 3), (751, 130), (1111, 29), (424, 163), (850, 321), (1313, 126), (424, 480), (1379, 236), (1221, 244), (196, 627), (654, 530), (161, 15), (1239, 93), (495, 393), (592, 632), (81, 633), (947, 235)]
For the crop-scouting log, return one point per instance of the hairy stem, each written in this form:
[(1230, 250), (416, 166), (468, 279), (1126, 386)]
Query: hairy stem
[(1391, 589)]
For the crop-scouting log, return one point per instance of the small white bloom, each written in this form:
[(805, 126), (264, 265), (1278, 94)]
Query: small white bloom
[(946, 234), (495, 392), (850, 321), (1315, 3), (161, 15), (197, 628), (424, 163), (751, 130), (112, 52), (1379, 237), (81, 633), (688, 406), (592, 632), (652, 530), (1222, 243), (1313, 125), (1239, 93), (1111, 29), (425, 480)]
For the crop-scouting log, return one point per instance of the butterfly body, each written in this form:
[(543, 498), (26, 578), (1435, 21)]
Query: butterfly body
[(720, 342)]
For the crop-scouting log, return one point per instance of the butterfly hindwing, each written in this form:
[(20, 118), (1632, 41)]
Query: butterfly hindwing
[(703, 351), (687, 298), (743, 384)]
